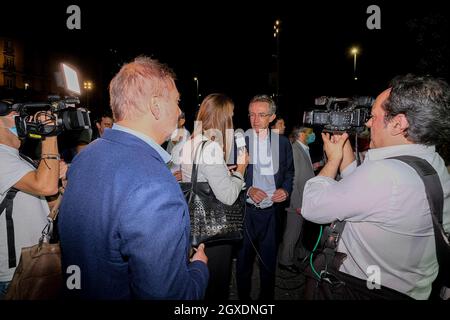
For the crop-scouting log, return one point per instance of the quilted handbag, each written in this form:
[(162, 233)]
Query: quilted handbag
[(212, 220)]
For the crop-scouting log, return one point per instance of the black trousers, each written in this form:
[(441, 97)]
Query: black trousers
[(219, 266), (260, 230)]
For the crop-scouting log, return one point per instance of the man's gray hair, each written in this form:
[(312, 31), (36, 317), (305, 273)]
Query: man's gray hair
[(265, 98), (297, 130)]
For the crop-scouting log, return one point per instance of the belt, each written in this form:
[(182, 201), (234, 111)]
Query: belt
[(252, 206)]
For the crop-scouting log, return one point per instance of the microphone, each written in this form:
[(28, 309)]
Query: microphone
[(240, 141), (240, 145)]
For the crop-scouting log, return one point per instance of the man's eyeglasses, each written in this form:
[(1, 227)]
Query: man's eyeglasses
[(259, 115)]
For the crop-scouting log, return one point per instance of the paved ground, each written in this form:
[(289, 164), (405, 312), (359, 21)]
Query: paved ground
[(288, 286)]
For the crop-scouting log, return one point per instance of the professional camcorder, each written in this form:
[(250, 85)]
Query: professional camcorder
[(342, 114), (44, 119)]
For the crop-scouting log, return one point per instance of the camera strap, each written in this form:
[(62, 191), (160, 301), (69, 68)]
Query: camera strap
[(435, 196), (7, 206)]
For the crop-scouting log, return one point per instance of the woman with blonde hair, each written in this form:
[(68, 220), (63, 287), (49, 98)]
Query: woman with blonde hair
[(214, 125)]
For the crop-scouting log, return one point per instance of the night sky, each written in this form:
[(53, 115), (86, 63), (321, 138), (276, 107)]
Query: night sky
[(229, 46)]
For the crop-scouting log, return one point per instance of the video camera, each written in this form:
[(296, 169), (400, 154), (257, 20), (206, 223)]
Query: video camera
[(44, 119), (342, 114)]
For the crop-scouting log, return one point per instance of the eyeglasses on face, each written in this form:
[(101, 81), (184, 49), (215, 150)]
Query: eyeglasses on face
[(259, 115)]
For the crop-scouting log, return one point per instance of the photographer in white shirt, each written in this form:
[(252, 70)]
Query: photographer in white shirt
[(30, 208), (383, 201)]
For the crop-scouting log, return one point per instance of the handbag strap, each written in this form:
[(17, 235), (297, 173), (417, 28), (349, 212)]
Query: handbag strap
[(48, 230), (194, 171), (55, 209)]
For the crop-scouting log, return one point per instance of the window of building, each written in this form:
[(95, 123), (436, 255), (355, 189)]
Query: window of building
[(10, 82), (9, 62), (8, 47)]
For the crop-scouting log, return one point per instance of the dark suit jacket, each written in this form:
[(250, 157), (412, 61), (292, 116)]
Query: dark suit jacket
[(282, 162), (125, 223), (303, 172)]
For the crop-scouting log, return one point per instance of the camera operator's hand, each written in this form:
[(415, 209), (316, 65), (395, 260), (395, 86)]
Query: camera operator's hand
[(44, 180), (44, 117), (333, 147)]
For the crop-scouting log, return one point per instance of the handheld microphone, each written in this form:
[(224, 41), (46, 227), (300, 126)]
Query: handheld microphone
[(240, 146), (240, 141)]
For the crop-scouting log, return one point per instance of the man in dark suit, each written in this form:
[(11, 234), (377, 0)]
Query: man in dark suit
[(124, 220), (303, 172), (269, 182)]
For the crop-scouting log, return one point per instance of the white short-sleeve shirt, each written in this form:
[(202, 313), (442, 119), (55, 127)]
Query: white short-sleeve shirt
[(29, 211)]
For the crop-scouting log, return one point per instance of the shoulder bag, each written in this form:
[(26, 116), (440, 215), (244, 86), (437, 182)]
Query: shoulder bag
[(211, 220)]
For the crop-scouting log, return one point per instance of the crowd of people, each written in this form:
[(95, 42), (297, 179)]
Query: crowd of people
[(125, 223)]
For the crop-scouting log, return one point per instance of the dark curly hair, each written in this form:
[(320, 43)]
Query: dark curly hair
[(425, 101)]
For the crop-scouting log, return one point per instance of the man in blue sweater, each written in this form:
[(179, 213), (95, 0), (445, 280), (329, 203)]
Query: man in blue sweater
[(124, 220)]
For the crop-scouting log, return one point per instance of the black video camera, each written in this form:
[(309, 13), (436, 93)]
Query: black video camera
[(44, 119), (342, 114)]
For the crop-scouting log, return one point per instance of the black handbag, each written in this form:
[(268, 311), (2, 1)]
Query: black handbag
[(212, 220)]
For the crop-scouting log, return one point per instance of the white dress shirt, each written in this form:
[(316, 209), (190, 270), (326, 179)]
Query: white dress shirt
[(263, 170)]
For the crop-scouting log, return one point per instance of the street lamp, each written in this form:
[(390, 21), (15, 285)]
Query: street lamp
[(197, 95), (354, 51), (276, 35), (88, 85)]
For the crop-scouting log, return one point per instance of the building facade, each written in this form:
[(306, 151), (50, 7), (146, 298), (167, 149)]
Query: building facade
[(22, 70)]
